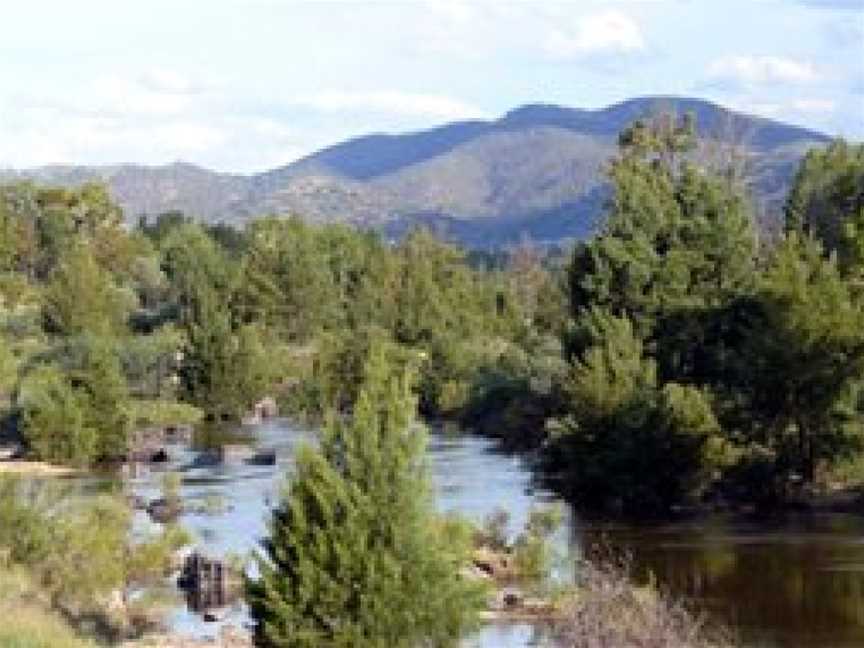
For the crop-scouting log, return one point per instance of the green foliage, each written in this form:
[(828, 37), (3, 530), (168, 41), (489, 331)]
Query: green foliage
[(80, 413), (691, 366), (354, 556), (161, 413), (78, 549), (533, 552), (805, 359), (82, 298), (54, 419), (628, 441), (827, 200), (287, 279), (225, 369), (677, 238)]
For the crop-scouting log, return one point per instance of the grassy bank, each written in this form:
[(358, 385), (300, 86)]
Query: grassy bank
[(27, 620)]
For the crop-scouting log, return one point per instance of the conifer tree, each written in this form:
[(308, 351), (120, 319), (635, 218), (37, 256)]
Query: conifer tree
[(354, 556)]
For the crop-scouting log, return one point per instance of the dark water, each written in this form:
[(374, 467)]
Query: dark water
[(794, 581)]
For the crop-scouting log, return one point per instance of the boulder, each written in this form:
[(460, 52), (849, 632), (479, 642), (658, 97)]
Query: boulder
[(163, 510), (235, 453), (264, 457), (160, 456)]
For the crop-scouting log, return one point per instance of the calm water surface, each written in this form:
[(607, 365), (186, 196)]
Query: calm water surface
[(794, 581)]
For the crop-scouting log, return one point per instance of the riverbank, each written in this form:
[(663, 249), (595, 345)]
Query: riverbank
[(36, 469), (228, 637)]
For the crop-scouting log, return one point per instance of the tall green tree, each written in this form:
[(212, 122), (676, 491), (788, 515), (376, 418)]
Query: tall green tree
[(225, 369), (804, 359), (354, 556), (627, 441), (827, 200), (677, 238)]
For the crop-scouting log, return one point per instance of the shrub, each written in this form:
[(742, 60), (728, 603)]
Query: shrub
[(609, 611)]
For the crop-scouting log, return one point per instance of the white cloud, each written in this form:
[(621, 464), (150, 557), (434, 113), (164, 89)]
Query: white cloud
[(752, 70), (455, 13), (607, 32), (393, 102), (794, 107), (155, 92), (814, 106), (155, 117), (163, 115)]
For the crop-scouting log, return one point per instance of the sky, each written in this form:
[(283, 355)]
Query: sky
[(247, 85)]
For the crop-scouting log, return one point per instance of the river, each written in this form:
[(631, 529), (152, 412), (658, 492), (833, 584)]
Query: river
[(795, 581)]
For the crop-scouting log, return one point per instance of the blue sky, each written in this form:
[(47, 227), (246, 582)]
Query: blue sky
[(244, 85)]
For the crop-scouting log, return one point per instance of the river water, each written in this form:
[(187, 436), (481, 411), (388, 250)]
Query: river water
[(793, 581)]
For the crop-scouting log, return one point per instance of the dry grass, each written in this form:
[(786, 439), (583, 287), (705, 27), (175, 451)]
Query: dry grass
[(609, 611), (38, 468), (25, 621)]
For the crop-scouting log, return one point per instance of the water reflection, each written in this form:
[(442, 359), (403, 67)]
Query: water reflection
[(794, 581)]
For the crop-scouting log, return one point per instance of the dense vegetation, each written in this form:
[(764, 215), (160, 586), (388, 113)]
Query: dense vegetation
[(673, 359)]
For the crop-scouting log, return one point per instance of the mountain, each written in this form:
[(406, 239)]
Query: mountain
[(538, 170)]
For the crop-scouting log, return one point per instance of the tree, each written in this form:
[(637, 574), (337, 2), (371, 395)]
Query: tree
[(77, 413), (676, 238), (82, 298), (625, 439), (101, 382), (354, 556), (827, 200), (53, 422), (286, 279), (804, 359), (225, 369)]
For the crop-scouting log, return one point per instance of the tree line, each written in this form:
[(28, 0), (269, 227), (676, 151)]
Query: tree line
[(672, 357)]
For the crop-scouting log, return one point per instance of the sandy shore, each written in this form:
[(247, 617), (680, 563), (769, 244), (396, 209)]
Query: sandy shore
[(38, 468), (229, 637)]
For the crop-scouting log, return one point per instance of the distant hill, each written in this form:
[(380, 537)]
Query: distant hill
[(537, 171)]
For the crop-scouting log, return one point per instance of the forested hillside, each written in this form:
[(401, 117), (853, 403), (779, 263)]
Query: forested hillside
[(537, 171)]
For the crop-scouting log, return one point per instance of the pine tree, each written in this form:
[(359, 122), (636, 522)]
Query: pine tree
[(678, 240), (354, 556), (804, 359)]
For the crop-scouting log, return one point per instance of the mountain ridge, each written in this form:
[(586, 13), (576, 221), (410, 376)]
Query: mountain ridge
[(536, 170)]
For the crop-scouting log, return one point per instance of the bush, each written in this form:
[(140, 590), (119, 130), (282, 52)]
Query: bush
[(609, 611)]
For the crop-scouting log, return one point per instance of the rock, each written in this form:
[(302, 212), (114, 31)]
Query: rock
[(267, 407), (496, 564), (163, 511), (207, 458), (160, 456), (265, 457), (179, 433), (511, 598), (251, 418), (210, 583), (137, 502), (11, 452), (235, 453)]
